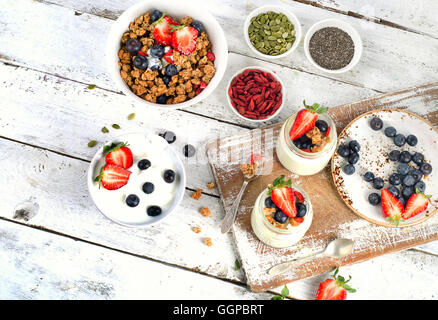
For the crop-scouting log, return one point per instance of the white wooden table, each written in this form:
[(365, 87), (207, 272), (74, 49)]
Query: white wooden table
[(61, 247)]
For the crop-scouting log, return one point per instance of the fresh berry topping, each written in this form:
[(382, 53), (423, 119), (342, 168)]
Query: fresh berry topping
[(283, 196), (140, 62), (269, 203), (321, 125), (402, 200), (390, 132), (417, 174), (142, 53), (113, 177), (368, 176), (407, 192), (154, 211), (163, 30), (169, 136), (395, 191), (399, 140), (334, 289), (155, 15), (118, 154), (299, 196), (376, 124), (299, 219), (157, 51), (170, 70), (169, 176), (202, 85), (305, 120), (184, 39), (354, 146), (411, 140), (408, 180), (392, 208), (168, 56), (418, 158), (148, 187), (327, 133), (426, 168), (280, 217), (189, 150), (344, 151), (378, 183), (132, 200), (374, 199), (166, 80), (143, 164), (349, 169), (133, 46), (353, 158), (162, 99), (394, 155), (416, 204), (420, 186), (405, 157), (211, 56), (154, 64), (301, 209), (395, 179), (198, 26), (403, 169)]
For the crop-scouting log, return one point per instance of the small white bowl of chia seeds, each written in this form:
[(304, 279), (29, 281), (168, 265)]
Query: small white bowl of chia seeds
[(333, 46), (272, 32)]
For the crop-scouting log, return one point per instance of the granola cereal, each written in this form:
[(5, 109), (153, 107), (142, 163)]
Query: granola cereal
[(211, 185), (164, 60), (248, 169)]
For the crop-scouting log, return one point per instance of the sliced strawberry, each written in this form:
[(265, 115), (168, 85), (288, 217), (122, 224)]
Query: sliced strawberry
[(334, 289), (283, 196), (299, 196), (184, 39), (168, 56), (113, 177), (118, 154), (416, 204), (305, 120), (163, 30), (392, 207), (328, 131)]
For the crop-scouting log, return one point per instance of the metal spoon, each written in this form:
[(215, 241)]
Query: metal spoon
[(337, 249)]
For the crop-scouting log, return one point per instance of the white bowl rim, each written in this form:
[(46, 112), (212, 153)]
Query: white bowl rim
[(175, 204), (283, 94), (344, 26), (122, 86), (282, 9)]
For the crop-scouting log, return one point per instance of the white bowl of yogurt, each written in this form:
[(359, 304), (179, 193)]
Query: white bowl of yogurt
[(167, 196)]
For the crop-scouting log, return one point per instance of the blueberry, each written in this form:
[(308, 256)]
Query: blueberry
[(166, 80), (353, 158), (169, 136), (354, 146), (148, 187), (417, 174), (144, 164), (280, 216), (301, 209), (154, 64), (407, 192), (376, 124), (169, 176), (403, 169), (189, 150), (418, 158), (402, 200), (394, 190), (378, 183), (411, 140), (162, 99), (368, 176), (321, 125), (390, 132), (394, 155), (349, 169), (157, 51), (394, 179), (344, 151), (269, 203), (132, 200), (408, 180), (405, 157), (171, 70), (155, 15), (426, 168), (198, 26), (306, 145), (140, 62), (154, 211), (297, 143), (420, 185), (133, 46), (374, 199), (399, 140)]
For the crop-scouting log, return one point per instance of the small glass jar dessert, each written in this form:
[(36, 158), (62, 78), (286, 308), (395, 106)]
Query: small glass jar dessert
[(306, 141), (274, 227)]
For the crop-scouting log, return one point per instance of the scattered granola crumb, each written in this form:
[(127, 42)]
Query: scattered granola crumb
[(205, 212), (196, 229), (197, 194), (208, 242), (211, 185)]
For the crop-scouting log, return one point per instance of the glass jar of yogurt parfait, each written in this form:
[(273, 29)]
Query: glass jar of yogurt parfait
[(306, 161), (279, 235)]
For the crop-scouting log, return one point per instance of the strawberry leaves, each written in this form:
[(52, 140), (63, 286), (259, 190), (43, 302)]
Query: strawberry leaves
[(315, 108), (279, 183), (340, 281)]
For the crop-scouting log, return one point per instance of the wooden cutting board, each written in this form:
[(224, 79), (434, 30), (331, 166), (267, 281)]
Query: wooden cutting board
[(332, 218)]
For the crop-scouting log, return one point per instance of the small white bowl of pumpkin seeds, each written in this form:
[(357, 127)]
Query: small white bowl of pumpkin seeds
[(272, 32)]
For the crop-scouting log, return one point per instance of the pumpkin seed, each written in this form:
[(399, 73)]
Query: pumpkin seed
[(116, 126), (131, 116), (105, 130), (92, 143)]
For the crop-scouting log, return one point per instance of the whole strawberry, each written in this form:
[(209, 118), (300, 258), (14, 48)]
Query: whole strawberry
[(334, 289), (305, 120)]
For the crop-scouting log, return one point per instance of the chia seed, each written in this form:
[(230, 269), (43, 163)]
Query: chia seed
[(331, 48)]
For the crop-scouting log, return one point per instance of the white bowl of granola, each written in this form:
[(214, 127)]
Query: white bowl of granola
[(154, 83)]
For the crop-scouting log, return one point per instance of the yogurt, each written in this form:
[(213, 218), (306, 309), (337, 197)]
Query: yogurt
[(301, 162)]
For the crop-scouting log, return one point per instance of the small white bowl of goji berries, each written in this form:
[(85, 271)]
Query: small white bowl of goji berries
[(165, 53), (256, 94)]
